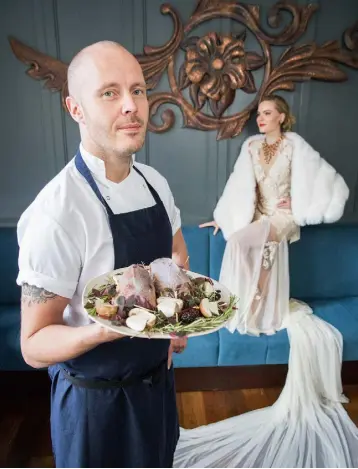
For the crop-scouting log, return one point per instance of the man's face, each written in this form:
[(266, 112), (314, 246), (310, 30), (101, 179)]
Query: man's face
[(114, 104)]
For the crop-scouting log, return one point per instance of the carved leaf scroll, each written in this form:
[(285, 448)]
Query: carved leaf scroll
[(42, 67), (217, 67)]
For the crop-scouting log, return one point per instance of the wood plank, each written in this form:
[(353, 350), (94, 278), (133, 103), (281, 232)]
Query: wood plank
[(10, 424), (25, 429), (33, 436), (44, 461), (202, 408)]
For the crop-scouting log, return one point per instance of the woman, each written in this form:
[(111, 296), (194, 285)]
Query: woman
[(279, 183)]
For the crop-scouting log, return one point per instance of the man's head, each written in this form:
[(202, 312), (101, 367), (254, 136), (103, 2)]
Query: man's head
[(107, 97)]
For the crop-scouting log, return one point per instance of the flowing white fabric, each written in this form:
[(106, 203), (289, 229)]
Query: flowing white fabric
[(307, 426), (243, 259)]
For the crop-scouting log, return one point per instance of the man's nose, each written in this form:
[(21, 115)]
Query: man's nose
[(129, 105)]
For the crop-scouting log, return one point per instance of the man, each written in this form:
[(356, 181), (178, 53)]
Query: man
[(113, 398)]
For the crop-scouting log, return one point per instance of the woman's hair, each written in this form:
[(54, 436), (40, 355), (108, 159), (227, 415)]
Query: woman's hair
[(283, 108)]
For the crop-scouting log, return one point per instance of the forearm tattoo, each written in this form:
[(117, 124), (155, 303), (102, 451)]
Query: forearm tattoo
[(31, 295)]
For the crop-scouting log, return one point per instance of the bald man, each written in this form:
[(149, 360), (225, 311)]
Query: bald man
[(113, 397)]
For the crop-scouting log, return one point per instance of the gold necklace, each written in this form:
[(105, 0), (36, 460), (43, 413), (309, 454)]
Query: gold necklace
[(270, 150)]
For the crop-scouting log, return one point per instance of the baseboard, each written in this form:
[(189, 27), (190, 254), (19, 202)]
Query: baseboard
[(226, 378), (23, 384)]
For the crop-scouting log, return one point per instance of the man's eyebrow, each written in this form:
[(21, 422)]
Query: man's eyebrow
[(141, 84), (111, 84)]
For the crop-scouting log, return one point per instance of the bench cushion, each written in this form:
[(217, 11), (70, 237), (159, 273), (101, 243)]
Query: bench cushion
[(236, 349), (9, 292)]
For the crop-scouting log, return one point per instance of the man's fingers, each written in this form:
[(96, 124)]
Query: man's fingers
[(170, 355), (169, 361), (178, 345)]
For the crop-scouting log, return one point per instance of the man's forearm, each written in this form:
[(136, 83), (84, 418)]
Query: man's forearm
[(180, 252), (57, 343)]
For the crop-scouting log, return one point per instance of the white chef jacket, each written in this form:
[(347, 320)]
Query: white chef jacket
[(64, 235)]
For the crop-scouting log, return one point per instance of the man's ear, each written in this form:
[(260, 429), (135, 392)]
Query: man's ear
[(74, 109)]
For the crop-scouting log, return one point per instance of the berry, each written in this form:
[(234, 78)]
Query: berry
[(189, 315)]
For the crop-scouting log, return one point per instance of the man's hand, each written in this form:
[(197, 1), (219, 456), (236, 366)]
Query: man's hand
[(106, 335), (177, 345)]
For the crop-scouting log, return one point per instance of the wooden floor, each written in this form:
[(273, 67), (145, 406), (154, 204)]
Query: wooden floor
[(24, 425)]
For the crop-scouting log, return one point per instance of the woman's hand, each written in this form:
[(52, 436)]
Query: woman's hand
[(285, 203), (211, 223)]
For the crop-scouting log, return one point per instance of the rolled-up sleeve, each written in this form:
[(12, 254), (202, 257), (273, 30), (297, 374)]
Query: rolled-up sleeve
[(175, 219), (47, 257), (171, 208)]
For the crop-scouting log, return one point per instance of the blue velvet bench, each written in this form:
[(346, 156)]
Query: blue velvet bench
[(324, 273)]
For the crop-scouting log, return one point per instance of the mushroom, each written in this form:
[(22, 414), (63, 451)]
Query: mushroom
[(213, 305), (169, 306), (205, 308), (105, 310), (138, 319), (137, 323), (208, 288)]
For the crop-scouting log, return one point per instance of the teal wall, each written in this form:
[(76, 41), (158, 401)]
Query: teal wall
[(38, 138)]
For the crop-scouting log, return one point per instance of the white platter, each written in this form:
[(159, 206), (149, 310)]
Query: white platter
[(103, 279)]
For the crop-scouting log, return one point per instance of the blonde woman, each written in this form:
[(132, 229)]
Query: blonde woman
[(278, 184)]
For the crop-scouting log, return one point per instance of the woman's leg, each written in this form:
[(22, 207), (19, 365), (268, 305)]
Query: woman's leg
[(241, 266), (268, 259), (269, 256)]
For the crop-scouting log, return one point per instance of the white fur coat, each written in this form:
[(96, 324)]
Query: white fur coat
[(318, 192)]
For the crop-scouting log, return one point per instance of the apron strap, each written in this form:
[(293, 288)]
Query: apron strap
[(154, 193), (86, 173)]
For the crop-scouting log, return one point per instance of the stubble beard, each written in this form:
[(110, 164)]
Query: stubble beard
[(126, 153), (120, 155)]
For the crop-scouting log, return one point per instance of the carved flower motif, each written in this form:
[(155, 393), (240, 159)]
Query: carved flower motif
[(215, 67)]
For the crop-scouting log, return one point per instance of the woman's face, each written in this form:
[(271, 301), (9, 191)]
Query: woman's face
[(268, 118)]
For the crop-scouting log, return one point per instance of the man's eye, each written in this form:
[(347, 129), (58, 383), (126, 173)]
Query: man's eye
[(108, 94), (138, 92)]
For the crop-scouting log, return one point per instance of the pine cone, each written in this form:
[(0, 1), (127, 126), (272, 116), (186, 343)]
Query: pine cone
[(189, 315)]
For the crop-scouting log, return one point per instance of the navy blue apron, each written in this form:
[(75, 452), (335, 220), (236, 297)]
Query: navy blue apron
[(115, 405)]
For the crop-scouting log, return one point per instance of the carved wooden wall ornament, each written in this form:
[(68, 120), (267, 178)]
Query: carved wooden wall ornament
[(217, 66)]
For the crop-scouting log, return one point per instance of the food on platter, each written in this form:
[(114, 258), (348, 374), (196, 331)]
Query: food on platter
[(158, 300)]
